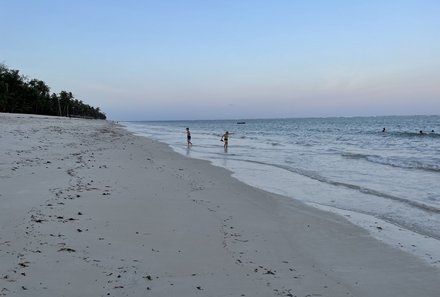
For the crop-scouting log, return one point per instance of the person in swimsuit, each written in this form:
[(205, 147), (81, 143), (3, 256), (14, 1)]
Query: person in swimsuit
[(225, 138), (188, 137)]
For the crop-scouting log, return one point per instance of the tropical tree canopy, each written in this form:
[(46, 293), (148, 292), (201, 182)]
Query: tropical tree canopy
[(18, 94)]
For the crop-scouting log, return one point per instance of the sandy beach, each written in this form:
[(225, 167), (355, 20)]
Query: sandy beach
[(88, 209)]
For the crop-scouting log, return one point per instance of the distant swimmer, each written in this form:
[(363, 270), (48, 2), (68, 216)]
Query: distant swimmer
[(188, 137), (225, 139), (383, 130), (421, 132)]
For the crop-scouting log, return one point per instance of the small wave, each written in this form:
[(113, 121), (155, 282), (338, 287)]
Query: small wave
[(354, 156), (397, 162), (408, 164), (315, 176), (413, 134), (305, 144)]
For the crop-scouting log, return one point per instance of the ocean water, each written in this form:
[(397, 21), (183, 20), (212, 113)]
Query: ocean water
[(387, 182)]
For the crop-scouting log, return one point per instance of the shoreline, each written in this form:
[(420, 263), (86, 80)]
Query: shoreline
[(88, 208), (404, 235)]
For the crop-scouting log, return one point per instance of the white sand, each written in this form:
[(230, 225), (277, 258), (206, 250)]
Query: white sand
[(87, 209)]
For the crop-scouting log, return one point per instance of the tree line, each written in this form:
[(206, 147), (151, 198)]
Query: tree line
[(18, 94)]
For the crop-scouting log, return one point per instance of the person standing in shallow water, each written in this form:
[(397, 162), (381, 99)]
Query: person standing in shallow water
[(188, 138), (225, 139)]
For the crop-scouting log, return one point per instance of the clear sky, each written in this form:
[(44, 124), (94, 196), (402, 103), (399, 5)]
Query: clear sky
[(219, 59)]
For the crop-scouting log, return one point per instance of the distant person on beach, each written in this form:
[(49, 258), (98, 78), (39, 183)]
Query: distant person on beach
[(188, 137), (225, 139)]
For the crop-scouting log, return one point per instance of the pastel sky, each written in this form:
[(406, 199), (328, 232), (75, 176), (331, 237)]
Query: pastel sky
[(221, 59)]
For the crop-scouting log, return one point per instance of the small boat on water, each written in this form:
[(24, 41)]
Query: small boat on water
[(241, 123)]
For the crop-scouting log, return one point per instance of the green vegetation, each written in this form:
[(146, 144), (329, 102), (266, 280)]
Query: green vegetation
[(18, 94)]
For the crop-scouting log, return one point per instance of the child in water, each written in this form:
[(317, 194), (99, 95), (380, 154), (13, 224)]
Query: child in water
[(225, 138), (188, 137)]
